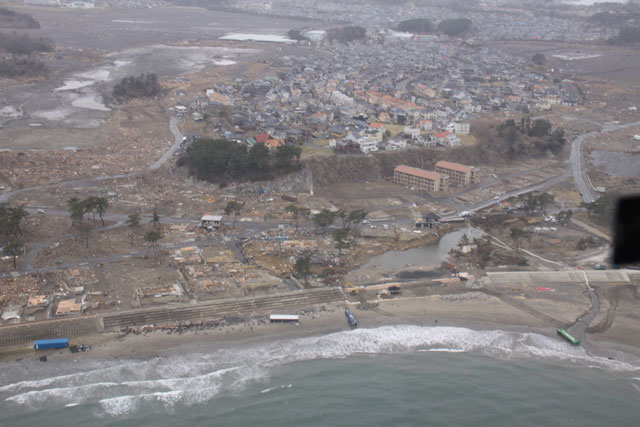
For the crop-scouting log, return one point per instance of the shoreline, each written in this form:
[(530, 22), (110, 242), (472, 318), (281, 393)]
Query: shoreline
[(475, 315)]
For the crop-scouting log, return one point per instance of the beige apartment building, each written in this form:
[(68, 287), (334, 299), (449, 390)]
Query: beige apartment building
[(423, 180), (460, 174)]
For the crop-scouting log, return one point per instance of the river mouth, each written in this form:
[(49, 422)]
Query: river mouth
[(424, 256)]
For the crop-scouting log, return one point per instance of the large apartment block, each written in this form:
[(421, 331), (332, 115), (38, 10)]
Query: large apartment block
[(423, 180), (460, 174)]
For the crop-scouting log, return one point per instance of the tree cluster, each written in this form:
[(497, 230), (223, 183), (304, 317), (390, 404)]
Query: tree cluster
[(302, 268), (603, 208), (538, 202), (627, 35), (416, 26), (297, 212), (539, 59), (79, 208), (22, 67), (10, 218), (234, 207), (325, 218), (223, 161), (17, 44), (524, 138), (144, 85), (133, 222), (610, 18), (297, 35), (346, 34), (91, 205), (11, 19), (455, 27)]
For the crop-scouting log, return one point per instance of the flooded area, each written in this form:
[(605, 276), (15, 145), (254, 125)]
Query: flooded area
[(426, 256), (78, 100), (99, 47), (616, 163)]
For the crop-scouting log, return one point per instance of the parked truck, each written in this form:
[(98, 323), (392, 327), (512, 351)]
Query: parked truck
[(52, 343)]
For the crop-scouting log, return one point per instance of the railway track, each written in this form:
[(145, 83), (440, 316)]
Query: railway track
[(20, 335), (248, 306)]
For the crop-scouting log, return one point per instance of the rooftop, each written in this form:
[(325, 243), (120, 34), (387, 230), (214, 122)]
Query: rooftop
[(417, 172), (453, 166)]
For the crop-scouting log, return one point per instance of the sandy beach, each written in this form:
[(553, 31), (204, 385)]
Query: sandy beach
[(476, 314)]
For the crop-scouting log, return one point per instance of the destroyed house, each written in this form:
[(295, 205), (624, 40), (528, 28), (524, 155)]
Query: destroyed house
[(211, 222)]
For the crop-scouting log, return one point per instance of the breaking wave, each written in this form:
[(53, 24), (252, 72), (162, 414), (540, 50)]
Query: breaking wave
[(120, 388)]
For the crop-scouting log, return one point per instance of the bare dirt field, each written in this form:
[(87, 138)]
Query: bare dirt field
[(614, 63)]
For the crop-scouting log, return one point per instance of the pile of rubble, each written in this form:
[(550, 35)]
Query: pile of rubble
[(177, 327)]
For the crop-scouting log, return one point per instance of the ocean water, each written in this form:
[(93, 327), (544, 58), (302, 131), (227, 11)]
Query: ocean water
[(388, 376)]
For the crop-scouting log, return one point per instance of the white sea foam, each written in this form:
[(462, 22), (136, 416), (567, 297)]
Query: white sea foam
[(268, 390), (443, 350), (197, 378)]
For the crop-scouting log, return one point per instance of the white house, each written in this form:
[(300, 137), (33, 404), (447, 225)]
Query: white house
[(316, 35), (428, 140), (413, 132), (396, 144), (425, 124), (461, 128), (447, 139), (367, 145), (341, 99)]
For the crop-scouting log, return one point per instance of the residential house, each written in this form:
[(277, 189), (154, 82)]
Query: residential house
[(273, 144), (396, 144), (210, 222), (461, 128), (425, 124), (427, 140), (412, 132), (447, 139), (367, 145), (430, 220), (347, 146)]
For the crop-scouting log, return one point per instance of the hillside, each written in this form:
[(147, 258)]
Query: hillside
[(11, 19), (335, 170)]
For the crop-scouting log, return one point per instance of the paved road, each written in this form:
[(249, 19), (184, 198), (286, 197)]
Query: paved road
[(535, 187), (579, 174), (173, 126)]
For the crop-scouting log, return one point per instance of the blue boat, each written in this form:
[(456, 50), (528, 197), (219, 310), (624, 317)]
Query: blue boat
[(351, 319)]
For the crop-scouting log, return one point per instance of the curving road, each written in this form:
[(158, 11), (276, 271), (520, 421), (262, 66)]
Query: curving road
[(579, 174), (173, 126)]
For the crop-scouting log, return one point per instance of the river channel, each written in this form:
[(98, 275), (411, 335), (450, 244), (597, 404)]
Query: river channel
[(426, 256)]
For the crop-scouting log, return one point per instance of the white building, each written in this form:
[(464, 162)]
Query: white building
[(461, 128), (367, 145), (396, 144), (83, 5), (316, 35), (426, 124), (342, 100), (413, 132)]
